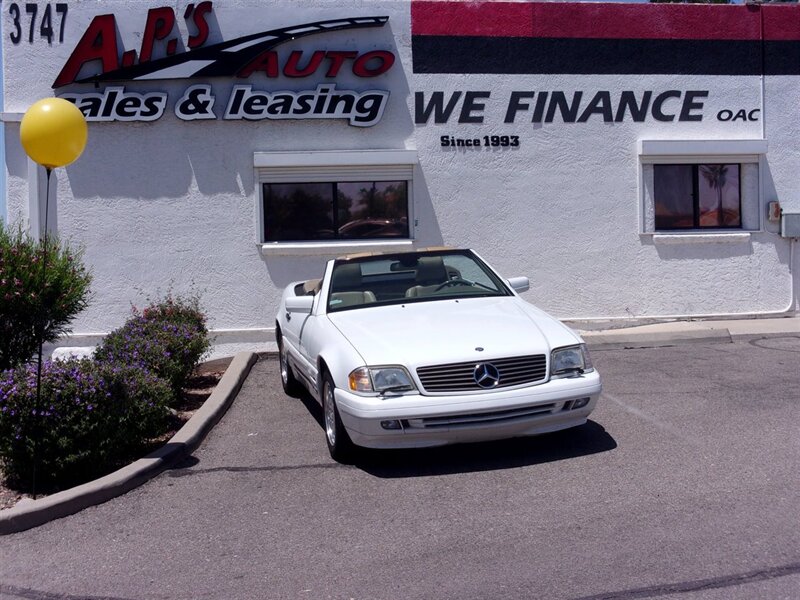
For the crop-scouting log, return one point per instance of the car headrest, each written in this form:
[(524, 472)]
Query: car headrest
[(430, 270), (346, 277)]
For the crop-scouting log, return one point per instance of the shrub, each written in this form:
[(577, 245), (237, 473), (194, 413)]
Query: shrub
[(168, 337), (174, 309), (27, 302), (92, 417)]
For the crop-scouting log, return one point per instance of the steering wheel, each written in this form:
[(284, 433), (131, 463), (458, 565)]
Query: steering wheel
[(455, 281)]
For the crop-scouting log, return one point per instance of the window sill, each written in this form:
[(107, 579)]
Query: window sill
[(332, 248), (671, 239)]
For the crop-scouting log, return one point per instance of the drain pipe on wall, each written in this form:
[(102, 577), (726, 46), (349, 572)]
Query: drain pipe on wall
[(793, 276), (792, 307), (763, 76), (793, 279)]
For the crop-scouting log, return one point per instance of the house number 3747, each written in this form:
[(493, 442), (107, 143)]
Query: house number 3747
[(27, 18)]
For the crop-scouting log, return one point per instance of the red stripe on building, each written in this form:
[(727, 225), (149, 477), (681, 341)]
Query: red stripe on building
[(782, 23), (605, 21), (490, 19)]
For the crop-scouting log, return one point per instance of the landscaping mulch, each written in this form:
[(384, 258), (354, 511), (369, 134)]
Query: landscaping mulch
[(199, 388)]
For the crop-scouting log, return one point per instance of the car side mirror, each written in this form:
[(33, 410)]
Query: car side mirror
[(519, 284), (300, 304)]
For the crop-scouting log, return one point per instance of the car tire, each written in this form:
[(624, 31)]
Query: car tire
[(291, 386), (340, 446)]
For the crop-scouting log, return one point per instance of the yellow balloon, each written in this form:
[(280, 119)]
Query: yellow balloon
[(53, 132)]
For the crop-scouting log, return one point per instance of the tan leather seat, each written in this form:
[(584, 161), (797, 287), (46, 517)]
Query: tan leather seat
[(431, 273), (347, 287)]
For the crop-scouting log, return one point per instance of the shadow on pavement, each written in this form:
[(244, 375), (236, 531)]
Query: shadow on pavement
[(590, 438), (187, 462), (313, 407), (587, 439)]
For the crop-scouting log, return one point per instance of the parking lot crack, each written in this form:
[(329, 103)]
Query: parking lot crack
[(11, 591), (699, 585)]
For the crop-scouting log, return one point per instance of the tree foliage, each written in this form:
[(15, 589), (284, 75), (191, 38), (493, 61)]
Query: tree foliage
[(42, 289)]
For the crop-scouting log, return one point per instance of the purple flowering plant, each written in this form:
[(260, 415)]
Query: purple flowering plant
[(92, 418), (167, 337)]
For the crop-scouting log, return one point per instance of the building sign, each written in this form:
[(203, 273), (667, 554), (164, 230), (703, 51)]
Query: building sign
[(97, 59), (575, 107), (587, 39)]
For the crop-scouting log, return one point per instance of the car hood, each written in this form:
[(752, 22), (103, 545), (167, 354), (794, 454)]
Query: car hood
[(442, 331)]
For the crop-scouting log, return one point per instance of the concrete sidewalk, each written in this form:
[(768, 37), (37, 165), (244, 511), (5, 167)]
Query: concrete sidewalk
[(685, 331)]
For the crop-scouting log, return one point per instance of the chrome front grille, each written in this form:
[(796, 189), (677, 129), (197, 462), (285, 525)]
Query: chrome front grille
[(460, 377)]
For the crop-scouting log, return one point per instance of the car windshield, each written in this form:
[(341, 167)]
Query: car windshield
[(410, 277)]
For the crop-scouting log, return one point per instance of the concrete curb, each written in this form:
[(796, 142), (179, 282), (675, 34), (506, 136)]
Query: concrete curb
[(687, 332), (33, 513)]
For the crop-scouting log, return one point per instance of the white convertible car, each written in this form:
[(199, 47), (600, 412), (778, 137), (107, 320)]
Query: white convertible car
[(426, 348)]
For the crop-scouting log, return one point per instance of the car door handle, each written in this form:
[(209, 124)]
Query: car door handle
[(288, 316)]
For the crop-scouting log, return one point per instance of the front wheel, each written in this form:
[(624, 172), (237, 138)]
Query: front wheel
[(340, 446), (289, 382)]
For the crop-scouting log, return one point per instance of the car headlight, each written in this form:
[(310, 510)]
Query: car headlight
[(570, 361), (381, 380)]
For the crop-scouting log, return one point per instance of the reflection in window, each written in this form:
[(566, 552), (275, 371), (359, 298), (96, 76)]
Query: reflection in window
[(298, 211), (339, 210), (704, 196)]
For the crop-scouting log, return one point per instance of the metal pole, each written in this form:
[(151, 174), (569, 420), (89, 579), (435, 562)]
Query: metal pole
[(40, 333)]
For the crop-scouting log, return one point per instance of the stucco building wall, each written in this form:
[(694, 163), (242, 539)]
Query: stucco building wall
[(174, 204)]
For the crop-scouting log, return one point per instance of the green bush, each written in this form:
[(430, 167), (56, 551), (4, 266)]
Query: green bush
[(91, 419), (27, 301), (175, 309), (168, 337)]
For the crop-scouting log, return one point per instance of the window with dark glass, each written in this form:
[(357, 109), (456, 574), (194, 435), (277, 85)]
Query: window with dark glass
[(335, 211), (702, 196)]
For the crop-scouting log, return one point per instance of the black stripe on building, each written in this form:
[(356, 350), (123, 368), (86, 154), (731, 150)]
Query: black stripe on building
[(517, 56)]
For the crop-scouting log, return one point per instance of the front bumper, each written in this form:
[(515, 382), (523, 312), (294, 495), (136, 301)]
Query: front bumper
[(437, 420)]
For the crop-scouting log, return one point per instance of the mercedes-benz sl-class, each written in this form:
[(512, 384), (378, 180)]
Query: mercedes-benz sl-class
[(429, 347)]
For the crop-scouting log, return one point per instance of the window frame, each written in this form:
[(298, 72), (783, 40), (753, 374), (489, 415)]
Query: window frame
[(329, 166), (750, 155)]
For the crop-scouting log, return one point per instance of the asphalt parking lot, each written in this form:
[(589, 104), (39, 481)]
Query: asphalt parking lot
[(684, 484)]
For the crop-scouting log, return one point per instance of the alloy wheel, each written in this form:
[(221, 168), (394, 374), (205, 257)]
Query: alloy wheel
[(330, 415)]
